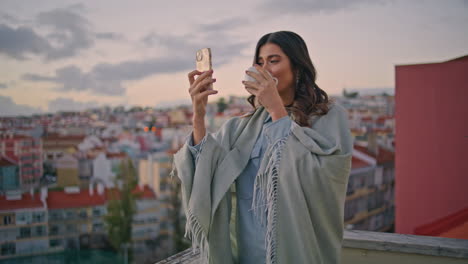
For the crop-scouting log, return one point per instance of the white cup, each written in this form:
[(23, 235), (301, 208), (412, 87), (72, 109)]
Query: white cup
[(251, 79)]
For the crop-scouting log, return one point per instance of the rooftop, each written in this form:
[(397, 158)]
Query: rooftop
[(25, 201), (61, 199)]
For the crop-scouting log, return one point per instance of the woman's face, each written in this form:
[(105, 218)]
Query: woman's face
[(273, 59)]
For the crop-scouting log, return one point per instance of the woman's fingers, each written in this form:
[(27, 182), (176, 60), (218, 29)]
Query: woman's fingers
[(200, 86), (202, 77), (203, 95), (256, 76), (191, 76), (265, 75), (254, 85), (251, 87)]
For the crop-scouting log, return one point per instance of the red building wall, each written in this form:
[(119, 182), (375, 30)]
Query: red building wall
[(431, 142), (27, 153)]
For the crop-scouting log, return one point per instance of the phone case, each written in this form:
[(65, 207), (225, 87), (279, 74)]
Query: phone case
[(203, 59)]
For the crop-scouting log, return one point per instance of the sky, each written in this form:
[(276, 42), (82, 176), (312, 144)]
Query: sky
[(60, 55)]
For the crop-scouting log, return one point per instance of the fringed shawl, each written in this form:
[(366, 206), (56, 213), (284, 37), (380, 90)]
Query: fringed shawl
[(302, 183)]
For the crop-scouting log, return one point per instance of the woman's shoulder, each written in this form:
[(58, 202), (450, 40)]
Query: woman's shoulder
[(336, 108), (336, 112)]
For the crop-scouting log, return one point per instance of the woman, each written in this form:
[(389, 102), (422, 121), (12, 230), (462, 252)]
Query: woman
[(289, 161)]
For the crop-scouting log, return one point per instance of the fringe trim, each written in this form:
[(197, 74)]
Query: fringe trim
[(266, 183), (193, 230), (173, 171)]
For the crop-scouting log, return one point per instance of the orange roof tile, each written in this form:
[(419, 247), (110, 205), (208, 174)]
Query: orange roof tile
[(60, 199), (383, 155), (357, 163), (4, 161), (144, 193), (27, 201)]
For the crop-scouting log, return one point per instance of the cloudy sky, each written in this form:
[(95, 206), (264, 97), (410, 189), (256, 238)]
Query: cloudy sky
[(70, 55)]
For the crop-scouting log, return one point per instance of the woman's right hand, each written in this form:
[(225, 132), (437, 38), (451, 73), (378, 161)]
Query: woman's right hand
[(199, 91)]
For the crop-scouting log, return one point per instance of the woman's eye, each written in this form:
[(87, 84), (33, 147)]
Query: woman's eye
[(260, 63), (273, 61)]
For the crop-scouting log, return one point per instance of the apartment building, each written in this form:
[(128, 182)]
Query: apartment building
[(23, 224), (26, 152)]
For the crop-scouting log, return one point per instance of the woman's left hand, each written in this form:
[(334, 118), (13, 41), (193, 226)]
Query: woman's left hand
[(266, 92)]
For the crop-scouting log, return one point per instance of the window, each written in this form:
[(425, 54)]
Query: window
[(8, 249), (96, 212), (7, 220), (71, 228), (56, 215), (70, 214), (23, 218), (40, 231), (25, 232), (38, 217), (55, 242), (54, 230), (83, 214), (97, 227)]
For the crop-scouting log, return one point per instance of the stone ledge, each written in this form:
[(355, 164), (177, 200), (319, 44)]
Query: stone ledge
[(378, 241), (424, 245)]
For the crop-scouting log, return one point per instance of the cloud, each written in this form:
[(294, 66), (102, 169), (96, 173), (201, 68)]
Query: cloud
[(214, 35), (178, 55), (16, 43), (107, 79), (3, 86), (10, 19), (224, 25), (314, 6), (57, 34), (10, 108), (109, 36), (70, 32), (67, 104)]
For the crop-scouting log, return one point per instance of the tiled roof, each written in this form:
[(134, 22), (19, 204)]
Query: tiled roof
[(144, 193), (60, 199), (4, 161), (27, 201), (383, 155), (54, 136), (15, 137), (357, 163)]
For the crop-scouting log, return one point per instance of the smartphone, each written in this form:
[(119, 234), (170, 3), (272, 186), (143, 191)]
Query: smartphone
[(203, 60)]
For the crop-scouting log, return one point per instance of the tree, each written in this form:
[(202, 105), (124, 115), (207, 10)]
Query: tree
[(347, 94), (122, 207), (221, 105)]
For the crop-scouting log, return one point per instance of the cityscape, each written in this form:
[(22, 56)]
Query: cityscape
[(59, 172)]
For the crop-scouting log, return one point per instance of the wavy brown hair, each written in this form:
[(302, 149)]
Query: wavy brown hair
[(309, 99)]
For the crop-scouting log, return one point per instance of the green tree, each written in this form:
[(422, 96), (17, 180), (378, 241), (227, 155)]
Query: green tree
[(222, 105), (347, 94), (122, 207)]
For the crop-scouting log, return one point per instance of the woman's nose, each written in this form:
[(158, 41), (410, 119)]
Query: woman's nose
[(265, 66)]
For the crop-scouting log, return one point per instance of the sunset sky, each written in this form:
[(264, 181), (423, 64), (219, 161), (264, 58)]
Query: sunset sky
[(71, 55)]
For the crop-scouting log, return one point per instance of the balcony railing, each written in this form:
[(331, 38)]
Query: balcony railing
[(366, 247)]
